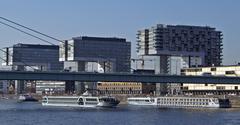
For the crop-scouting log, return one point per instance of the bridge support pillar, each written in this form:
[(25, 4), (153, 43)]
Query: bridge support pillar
[(69, 87), (161, 67), (19, 87), (19, 84), (79, 87)]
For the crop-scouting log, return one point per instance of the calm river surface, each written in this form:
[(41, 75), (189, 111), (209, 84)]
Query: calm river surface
[(13, 113)]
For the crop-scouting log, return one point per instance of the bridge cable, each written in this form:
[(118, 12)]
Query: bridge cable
[(30, 29), (3, 59), (29, 33), (21, 61), (35, 31), (26, 33)]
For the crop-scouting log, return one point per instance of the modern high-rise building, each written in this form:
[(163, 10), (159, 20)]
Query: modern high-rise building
[(112, 54), (94, 54), (31, 57), (203, 89), (39, 57), (173, 47), (179, 40)]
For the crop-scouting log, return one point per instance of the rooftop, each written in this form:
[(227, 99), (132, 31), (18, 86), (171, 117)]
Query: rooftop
[(37, 46), (114, 39)]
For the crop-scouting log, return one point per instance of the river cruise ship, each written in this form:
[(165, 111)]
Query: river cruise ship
[(80, 101), (171, 102), (142, 101)]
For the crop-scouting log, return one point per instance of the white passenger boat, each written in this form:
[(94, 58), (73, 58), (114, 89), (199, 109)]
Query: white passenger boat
[(168, 102), (4, 98), (142, 101), (80, 101)]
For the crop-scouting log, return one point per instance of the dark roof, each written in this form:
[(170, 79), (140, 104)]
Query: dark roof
[(114, 39), (37, 46)]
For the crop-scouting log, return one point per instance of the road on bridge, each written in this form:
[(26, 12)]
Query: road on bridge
[(114, 77)]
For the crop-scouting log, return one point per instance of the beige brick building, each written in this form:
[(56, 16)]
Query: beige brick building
[(229, 71), (125, 88)]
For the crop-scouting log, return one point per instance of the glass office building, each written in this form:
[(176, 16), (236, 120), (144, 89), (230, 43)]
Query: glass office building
[(33, 56), (113, 54)]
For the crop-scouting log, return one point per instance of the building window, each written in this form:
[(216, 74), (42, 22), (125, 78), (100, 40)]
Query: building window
[(229, 72), (236, 87), (213, 69), (185, 87), (220, 87)]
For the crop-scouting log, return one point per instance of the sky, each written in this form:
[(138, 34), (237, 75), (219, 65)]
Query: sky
[(65, 19)]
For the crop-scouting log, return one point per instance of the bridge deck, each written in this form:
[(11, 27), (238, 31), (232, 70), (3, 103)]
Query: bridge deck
[(114, 77)]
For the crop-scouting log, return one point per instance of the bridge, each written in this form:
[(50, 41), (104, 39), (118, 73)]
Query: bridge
[(114, 77)]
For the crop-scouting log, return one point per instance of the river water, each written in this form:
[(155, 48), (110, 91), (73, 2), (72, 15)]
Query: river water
[(13, 113)]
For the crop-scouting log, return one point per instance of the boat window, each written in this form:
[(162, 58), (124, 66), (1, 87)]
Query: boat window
[(107, 99), (91, 99), (91, 103), (80, 101), (44, 100)]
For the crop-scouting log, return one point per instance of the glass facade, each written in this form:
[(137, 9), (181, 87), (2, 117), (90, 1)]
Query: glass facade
[(44, 57), (181, 40), (112, 51)]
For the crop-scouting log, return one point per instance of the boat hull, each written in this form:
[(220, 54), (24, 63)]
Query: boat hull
[(69, 105), (26, 98), (82, 101), (106, 104)]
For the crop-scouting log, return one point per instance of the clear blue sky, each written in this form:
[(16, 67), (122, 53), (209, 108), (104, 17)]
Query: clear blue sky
[(64, 19)]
